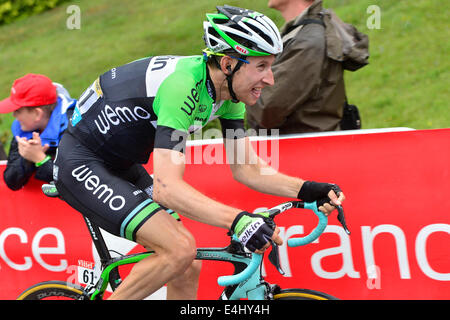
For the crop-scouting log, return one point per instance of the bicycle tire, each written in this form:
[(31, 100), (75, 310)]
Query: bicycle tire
[(53, 290), (302, 294)]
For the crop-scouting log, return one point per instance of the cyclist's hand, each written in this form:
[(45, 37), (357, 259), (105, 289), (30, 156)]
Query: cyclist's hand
[(327, 195), (275, 238), (254, 231)]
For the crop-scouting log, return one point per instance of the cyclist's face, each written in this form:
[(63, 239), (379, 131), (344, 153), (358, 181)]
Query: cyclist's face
[(252, 77)]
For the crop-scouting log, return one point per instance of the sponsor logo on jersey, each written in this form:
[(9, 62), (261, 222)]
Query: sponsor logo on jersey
[(113, 73), (93, 184), (192, 99), (199, 119), (118, 115), (76, 116), (96, 86)]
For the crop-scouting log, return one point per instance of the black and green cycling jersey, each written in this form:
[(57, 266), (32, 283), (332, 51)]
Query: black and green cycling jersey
[(154, 102)]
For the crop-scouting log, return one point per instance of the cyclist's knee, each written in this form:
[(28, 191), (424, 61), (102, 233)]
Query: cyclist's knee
[(184, 252), (189, 279), (170, 240), (179, 254), (195, 268), (193, 271)]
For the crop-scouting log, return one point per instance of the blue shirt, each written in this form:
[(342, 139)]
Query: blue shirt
[(56, 125)]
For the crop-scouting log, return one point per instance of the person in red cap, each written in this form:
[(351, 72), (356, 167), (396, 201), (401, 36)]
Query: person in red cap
[(41, 108)]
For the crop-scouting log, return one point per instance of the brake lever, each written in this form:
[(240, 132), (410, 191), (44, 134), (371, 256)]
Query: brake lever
[(341, 219), (274, 257)]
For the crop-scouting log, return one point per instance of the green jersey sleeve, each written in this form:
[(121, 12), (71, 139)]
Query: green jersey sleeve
[(231, 116), (174, 101), (231, 111), (173, 105)]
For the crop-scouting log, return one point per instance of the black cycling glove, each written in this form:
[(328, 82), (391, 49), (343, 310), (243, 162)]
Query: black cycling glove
[(315, 191), (253, 230)]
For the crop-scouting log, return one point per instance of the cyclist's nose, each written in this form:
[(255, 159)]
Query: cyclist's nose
[(268, 78)]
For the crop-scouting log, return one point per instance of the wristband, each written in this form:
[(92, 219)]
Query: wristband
[(40, 163)]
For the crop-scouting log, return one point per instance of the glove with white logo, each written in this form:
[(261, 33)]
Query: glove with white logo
[(253, 230), (315, 191)]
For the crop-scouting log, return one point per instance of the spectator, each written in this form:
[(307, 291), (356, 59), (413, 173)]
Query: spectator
[(2, 152), (309, 92), (41, 109)]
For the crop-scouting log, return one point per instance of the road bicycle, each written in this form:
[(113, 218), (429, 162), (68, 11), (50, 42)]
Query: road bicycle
[(246, 282)]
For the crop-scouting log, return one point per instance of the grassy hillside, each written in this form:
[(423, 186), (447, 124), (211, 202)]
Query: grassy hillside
[(406, 83)]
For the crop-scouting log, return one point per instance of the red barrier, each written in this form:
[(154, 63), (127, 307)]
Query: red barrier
[(396, 185)]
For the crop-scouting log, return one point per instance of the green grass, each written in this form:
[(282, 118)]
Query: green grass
[(405, 84)]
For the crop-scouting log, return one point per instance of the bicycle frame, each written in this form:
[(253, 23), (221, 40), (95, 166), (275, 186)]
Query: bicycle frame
[(253, 288)]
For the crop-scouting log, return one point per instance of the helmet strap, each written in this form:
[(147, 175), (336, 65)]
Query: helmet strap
[(229, 77)]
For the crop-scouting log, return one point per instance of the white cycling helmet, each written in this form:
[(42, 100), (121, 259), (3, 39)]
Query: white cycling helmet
[(247, 32)]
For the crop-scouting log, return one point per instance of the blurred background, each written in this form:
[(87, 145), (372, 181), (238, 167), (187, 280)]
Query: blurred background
[(406, 83)]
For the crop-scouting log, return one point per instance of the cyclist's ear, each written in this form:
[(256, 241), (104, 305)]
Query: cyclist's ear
[(226, 65)]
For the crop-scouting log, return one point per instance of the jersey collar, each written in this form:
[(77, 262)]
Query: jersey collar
[(210, 86)]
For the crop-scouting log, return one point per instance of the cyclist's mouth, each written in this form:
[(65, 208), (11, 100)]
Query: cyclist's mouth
[(256, 92)]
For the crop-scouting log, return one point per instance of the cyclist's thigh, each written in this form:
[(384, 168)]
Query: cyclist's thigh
[(138, 176), (162, 232), (157, 232), (88, 185)]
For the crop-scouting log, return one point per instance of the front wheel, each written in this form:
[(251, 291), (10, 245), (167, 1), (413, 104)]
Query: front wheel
[(301, 294), (53, 290)]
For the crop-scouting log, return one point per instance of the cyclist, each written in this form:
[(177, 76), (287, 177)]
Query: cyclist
[(150, 106)]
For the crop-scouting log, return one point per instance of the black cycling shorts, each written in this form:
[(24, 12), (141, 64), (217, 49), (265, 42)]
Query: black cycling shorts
[(117, 200)]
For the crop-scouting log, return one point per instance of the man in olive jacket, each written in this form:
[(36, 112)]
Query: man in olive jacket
[(309, 91)]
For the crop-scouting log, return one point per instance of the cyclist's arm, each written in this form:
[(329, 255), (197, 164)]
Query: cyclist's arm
[(255, 173), (173, 192), (249, 169)]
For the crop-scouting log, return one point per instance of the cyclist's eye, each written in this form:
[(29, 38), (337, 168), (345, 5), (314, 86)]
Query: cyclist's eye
[(261, 67)]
